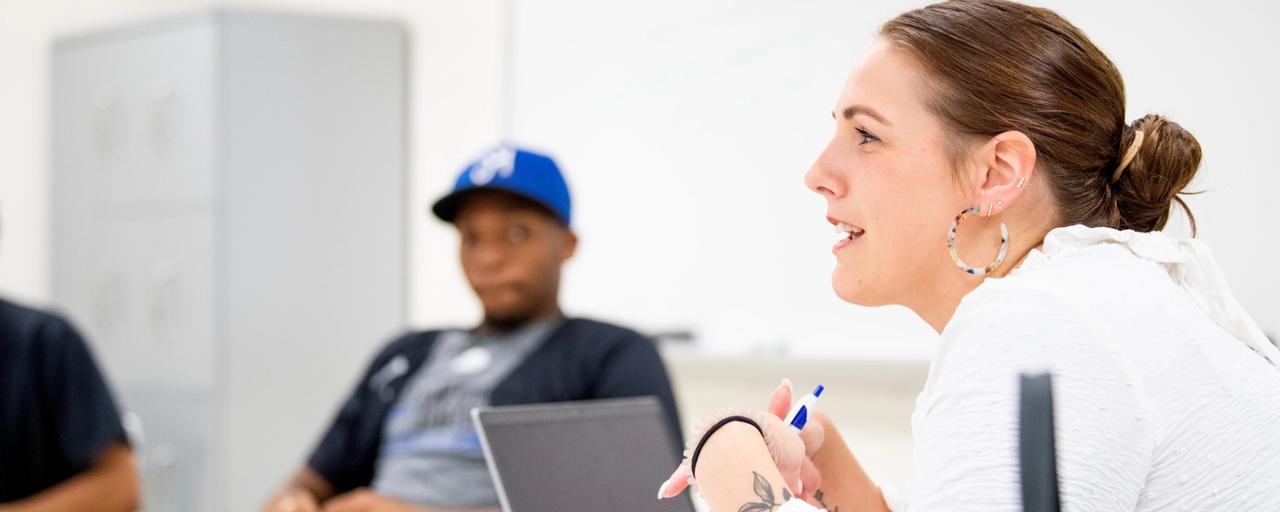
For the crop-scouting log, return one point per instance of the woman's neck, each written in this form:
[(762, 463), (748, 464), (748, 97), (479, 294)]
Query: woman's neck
[(937, 310)]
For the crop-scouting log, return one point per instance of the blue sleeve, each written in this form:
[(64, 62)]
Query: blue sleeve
[(80, 404), (633, 368)]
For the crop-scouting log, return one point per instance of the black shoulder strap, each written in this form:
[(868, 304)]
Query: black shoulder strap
[(1037, 453)]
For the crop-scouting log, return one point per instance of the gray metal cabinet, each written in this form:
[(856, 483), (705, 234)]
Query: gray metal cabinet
[(229, 231)]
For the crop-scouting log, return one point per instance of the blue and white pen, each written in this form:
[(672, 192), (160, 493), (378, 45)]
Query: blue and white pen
[(799, 414)]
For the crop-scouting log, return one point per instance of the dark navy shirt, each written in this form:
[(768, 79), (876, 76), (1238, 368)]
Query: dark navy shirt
[(56, 413), (580, 360)]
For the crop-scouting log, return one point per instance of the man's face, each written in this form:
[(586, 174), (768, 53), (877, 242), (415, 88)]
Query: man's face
[(511, 252)]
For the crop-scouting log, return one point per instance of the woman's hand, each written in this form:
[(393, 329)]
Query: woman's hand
[(789, 449)]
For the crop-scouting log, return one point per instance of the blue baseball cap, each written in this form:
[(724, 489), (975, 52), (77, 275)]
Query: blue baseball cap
[(511, 169)]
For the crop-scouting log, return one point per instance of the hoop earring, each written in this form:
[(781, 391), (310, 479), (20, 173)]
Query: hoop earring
[(955, 256)]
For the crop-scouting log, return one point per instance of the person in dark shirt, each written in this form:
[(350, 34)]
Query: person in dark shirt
[(62, 446), (403, 441)]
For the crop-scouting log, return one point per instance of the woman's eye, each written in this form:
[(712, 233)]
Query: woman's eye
[(866, 136)]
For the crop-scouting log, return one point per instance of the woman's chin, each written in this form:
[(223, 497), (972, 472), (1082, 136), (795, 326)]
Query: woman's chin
[(852, 288)]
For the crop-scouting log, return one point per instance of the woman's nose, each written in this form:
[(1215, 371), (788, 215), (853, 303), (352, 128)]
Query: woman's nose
[(821, 179)]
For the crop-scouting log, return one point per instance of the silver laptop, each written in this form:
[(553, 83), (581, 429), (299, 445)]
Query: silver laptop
[(602, 455)]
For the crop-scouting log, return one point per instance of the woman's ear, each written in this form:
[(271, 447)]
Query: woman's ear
[(1009, 162)]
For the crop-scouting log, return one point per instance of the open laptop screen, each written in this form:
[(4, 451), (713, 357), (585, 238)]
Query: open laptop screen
[(597, 455)]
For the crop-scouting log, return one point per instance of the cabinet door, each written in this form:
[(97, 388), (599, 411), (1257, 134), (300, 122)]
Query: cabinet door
[(151, 302), (134, 119), (134, 126)]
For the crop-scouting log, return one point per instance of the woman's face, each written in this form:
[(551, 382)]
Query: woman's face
[(887, 176)]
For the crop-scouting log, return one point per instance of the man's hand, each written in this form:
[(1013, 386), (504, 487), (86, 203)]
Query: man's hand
[(296, 500), (304, 492), (365, 500)]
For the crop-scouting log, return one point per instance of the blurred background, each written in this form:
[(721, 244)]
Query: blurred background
[(229, 197)]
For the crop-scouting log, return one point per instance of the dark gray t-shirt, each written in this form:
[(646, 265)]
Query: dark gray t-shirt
[(431, 454), (57, 415)]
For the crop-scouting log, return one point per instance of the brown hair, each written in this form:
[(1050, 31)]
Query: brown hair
[(1002, 66)]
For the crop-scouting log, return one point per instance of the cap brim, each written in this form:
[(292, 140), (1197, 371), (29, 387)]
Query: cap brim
[(447, 207)]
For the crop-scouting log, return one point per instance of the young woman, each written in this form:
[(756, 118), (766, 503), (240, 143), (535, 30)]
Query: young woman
[(985, 177)]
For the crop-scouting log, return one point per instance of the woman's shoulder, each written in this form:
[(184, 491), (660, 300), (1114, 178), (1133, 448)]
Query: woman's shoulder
[(1082, 271), (1055, 316), (1024, 321)]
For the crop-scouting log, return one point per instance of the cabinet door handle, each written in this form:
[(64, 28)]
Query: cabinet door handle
[(109, 300), (160, 116), (103, 122), (164, 297)]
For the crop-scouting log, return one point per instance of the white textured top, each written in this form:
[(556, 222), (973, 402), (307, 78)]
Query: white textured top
[(1164, 395)]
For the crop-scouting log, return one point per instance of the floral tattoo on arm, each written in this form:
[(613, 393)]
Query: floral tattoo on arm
[(764, 491)]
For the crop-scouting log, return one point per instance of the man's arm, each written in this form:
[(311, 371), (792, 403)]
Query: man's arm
[(634, 368), (85, 423), (109, 485), (345, 457)]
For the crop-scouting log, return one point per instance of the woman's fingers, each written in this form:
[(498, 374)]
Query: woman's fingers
[(786, 449), (792, 475), (810, 478), (677, 482), (813, 435), (780, 402)]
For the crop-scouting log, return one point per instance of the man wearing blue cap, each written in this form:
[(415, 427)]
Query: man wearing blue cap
[(404, 441)]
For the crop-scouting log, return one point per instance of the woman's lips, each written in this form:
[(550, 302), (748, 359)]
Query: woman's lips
[(846, 242), (849, 232)]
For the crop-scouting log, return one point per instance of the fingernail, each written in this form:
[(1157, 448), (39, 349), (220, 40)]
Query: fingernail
[(800, 488), (787, 383), (662, 490)]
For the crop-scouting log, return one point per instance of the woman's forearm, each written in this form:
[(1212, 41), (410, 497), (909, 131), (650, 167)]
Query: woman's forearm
[(735, 470), (846, 487)]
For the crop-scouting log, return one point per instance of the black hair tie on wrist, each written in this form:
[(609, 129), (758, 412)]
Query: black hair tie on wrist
[(693, 462)]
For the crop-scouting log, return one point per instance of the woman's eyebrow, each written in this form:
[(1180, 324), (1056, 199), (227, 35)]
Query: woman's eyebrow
[(853, 110)]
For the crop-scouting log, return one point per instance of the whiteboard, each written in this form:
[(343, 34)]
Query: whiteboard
[(685, 129)]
